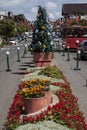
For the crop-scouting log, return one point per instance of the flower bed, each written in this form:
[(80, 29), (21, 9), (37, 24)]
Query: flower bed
[(45, 125), (66, 112)]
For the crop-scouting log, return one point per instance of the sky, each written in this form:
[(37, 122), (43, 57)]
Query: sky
[(29, 7)]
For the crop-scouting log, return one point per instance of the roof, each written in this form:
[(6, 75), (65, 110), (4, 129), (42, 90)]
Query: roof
[(74, 8), (75, 27)]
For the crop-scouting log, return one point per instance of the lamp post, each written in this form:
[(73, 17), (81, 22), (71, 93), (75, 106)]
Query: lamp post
[(28, 46), (25, 50), (18, 49), (78, 57), (68, 55), (7, 57), (60, 47), (63, 50)]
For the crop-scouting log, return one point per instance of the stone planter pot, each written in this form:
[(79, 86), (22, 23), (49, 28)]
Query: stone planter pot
[(34, 104), (42, 59)]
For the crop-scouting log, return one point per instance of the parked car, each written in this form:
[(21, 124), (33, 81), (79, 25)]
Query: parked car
[(13, 41), (83, 48)]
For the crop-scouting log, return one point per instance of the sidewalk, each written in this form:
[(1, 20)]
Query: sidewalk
[(9, 84)]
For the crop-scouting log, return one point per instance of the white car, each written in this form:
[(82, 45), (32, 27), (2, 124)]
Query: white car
[(13, 41)]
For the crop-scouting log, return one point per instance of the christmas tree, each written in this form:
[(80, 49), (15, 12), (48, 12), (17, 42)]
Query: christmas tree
[(42, 35)]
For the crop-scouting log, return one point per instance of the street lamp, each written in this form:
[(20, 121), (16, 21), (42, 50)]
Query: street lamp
[(18, 49), (60, 47), (7, 57), (25, 50), (78, 58), (63, 50), (28, 45), (68, 57)]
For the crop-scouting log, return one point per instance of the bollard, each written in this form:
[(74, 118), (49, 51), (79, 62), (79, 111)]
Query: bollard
[(25, 50), (68, 55), (60, 47), (28, 45), (18, 49), (78, 58), (7, 57), (63, 50)]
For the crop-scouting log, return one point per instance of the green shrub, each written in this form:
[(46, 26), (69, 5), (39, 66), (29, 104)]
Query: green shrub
[(52, 71)]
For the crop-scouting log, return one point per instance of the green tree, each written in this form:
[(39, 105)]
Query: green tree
[(22, 28), (6, 29), (19, 17), (42, 36)]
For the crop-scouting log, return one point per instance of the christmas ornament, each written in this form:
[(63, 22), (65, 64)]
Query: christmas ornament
[(39, 43), (48, 33), (43, 27), (44, 46), (31, 49), (51, 43), (36, 31)]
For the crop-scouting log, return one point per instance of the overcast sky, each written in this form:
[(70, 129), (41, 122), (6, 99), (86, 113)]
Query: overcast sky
[(29, 7)]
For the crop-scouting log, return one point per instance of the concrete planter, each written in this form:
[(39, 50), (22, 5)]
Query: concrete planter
[(34, 104), (42, 59)]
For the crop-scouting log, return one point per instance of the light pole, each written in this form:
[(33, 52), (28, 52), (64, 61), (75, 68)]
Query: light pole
[(7, 57), (18, 49), (60, 47), (78, 58), (68, 55), (25, 50), (63, 50), (28, 46)]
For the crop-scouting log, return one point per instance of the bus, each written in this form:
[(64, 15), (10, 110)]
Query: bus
[(74, 35)]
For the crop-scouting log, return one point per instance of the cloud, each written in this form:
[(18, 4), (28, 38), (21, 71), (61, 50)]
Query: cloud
[(33, 13), (10, 3), (29, 7), (34, 10), (51, 16), (51, 5), (58, 14)]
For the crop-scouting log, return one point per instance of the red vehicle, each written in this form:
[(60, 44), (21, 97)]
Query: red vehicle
[(74, 35)]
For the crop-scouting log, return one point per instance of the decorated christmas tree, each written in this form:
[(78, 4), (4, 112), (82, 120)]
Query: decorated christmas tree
[(42, 35)]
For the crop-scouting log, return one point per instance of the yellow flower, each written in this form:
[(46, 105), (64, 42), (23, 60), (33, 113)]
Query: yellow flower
[(20, 92)]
